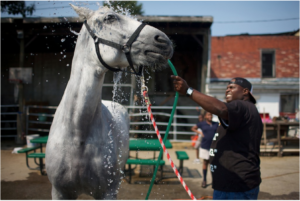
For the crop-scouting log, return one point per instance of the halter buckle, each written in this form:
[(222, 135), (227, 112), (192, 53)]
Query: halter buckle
[(126, 48)]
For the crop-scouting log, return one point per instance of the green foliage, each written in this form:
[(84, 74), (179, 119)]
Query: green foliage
[(132, 6), (17, 7)]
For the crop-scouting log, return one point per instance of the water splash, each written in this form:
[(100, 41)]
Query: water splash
[(74, 32), (123, 11), (117, 81)]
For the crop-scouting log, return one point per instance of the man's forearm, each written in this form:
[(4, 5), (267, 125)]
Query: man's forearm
[(210, 104)]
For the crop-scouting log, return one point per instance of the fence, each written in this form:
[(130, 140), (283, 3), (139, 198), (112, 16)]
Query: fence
[(184, 118), (9, 115), (39, 119)]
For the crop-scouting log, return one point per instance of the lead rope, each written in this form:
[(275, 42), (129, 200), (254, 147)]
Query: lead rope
[(144, 90)]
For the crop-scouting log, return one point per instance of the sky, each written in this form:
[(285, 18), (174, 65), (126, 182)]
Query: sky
[(229, 17)]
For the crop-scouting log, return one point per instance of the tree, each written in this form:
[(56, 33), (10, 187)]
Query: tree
[(17, 7), (122, 6)]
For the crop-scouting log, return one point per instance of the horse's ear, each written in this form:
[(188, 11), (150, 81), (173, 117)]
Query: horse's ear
[(83, 13)]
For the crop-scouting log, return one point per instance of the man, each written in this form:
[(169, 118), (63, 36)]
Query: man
[(234, 152)]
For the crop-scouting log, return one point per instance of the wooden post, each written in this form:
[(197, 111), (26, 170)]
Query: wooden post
[(21, 116), (265, 130), (279, 140), (204, 62)]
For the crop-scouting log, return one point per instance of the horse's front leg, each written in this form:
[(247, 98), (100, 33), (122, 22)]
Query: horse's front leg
[(61, 194), (110, 192)]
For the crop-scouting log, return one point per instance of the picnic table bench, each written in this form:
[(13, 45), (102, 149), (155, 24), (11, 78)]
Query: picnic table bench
[(134, 145), (145, 145), (35, 156)]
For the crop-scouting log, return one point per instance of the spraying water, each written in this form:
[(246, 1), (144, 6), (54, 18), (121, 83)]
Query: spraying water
[(74, 32), (117, 81)]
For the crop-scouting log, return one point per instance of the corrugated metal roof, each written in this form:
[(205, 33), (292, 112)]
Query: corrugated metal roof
[(188, 19)]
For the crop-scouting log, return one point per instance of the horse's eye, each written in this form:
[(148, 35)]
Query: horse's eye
[(109, 18)]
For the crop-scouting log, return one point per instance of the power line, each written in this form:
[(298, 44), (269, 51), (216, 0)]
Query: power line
[(65, 6), (252, 21), (62, 7)]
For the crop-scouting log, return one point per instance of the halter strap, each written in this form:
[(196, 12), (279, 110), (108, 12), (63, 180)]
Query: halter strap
[(129, 43), (125, 48)]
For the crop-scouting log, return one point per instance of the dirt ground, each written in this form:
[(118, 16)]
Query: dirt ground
[(280, 179)]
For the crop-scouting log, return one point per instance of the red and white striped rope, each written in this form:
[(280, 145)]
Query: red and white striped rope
[(147, 101)]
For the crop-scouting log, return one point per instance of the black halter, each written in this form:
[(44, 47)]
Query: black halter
[(125, 48)]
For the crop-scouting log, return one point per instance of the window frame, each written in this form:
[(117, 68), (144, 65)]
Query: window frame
[(273, 51), (296, 103)]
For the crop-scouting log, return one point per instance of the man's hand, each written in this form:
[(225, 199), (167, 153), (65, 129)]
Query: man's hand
[(179, 84)]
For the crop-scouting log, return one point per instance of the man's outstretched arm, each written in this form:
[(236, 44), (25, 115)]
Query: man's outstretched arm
[(208, 103)]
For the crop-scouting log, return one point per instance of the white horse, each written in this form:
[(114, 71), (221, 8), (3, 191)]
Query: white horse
[(88, 140)]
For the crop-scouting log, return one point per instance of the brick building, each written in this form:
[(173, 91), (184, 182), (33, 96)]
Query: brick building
[(270, 62)]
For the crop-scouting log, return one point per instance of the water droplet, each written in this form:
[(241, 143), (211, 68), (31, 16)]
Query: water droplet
[(91, 193), (53, 30), (46, 80), (61, 52), (45, 27), (67, 65), (63, 40), (65, 56)]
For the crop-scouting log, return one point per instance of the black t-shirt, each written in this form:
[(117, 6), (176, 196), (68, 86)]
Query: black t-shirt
[(234, 152)]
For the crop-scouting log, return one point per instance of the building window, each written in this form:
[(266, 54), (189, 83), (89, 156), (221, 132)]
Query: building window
[(289, 104), (268, 63)]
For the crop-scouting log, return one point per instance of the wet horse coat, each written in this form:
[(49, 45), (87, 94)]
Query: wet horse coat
[(88, 140)]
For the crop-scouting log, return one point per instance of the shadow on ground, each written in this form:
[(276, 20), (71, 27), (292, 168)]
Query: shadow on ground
[(38, 187)]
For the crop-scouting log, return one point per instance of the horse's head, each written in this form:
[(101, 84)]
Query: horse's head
[(151, 48)]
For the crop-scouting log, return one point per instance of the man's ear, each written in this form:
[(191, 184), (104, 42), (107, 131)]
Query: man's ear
[(246, 91)]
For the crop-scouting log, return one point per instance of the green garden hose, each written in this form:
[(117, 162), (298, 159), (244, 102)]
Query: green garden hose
[(166, 134)]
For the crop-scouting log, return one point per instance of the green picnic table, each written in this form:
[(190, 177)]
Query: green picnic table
[(134, 144), (40, 140), (147, 145)]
